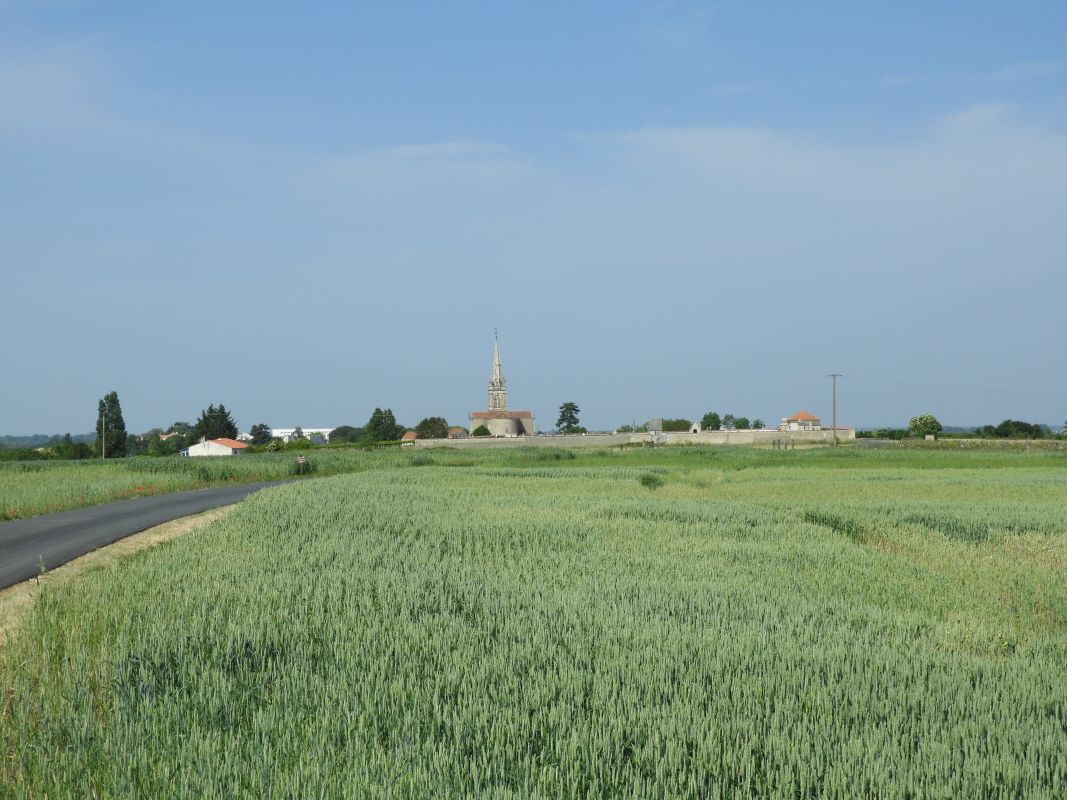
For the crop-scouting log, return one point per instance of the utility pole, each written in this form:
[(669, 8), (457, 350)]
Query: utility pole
[(835, 376), (103, 431)]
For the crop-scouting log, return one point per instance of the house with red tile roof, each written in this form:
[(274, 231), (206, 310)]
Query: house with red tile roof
[(215, 447), (801, 421)]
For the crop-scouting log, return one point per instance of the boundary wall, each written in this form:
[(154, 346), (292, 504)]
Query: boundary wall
[(758, 438)]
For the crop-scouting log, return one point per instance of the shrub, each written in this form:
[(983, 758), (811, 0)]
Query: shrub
[(545, 454), (651, 481)]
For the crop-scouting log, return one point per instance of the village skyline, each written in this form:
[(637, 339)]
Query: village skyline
[(523, 423)]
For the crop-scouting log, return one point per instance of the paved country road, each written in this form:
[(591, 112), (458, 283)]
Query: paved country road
[(58, 538)]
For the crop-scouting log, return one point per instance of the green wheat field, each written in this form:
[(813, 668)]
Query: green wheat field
[(693, 623)]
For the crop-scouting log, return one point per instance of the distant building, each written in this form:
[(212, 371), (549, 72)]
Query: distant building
[(458, 433), (215, 447), (407, 438), (498, 420), (285, 434), (801, 421)]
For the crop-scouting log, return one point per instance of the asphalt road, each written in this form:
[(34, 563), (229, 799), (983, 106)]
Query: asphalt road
[(58, 538)]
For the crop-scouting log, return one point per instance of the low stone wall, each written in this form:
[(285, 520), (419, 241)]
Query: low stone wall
[(764, 438), (756, 438), (574, 440)]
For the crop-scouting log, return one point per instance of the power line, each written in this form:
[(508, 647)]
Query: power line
[(955, 388)]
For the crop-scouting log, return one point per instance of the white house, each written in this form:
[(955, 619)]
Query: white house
[(215, 447)]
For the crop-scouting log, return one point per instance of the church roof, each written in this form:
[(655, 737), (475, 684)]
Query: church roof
[(501, 415)]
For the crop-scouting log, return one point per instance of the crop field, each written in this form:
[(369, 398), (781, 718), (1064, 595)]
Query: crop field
[(29, 488), (691, 623)]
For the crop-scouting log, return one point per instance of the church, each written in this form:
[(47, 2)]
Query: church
[(498, 419)]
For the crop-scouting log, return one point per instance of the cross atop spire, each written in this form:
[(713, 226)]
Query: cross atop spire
[(498, 391)]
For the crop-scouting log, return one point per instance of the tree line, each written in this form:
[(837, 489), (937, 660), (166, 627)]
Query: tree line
[(923, 425), (712, 421), (112, 440)]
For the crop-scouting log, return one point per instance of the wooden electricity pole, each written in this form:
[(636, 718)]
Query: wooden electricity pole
[(835, 376)]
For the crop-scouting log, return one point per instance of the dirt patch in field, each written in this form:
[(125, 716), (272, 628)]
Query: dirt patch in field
[(17, 600)]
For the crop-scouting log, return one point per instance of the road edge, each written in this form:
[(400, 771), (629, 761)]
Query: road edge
[(17, 600)]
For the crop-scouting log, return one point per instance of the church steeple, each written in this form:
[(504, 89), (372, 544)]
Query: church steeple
[(498, 391)]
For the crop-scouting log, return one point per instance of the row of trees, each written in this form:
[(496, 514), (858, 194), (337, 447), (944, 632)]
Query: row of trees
[(1015, 429), (383, 427), (712, 421), (728, 422), (923, 425), (113, 441), (928, 424), (216, 422)]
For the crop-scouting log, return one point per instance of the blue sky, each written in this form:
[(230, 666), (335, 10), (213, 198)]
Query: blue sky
[(666, 208)]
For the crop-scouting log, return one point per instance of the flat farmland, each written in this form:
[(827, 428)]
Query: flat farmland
[(688, 623), (30, 488)]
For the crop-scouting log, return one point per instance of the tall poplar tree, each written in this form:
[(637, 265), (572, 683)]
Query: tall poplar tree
[(110, 427)]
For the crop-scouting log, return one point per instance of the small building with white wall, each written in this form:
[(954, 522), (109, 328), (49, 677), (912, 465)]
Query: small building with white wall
[(215, 447)]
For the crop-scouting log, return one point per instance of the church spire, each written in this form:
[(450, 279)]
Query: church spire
[(498, 392)]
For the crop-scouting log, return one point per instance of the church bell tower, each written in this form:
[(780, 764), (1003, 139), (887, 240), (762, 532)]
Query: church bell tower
[(498, 390)]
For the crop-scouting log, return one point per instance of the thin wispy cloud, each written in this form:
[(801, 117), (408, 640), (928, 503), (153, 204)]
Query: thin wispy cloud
[(50, 85), (681, 27), (72, 96), (978, 179), (429, 159), (1029, 70), (440, 151)]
